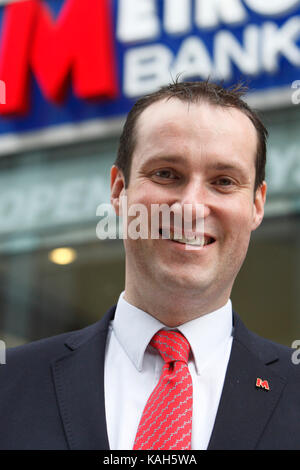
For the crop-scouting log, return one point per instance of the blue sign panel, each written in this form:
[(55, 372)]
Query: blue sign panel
[(155, 41)]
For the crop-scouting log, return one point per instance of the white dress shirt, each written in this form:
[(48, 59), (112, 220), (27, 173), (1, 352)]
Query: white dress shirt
[(132, 370)]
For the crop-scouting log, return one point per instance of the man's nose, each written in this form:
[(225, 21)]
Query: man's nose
[(191, 208), (194, 200)]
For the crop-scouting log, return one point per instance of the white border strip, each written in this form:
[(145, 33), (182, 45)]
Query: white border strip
[(60, 135), (275, 98)]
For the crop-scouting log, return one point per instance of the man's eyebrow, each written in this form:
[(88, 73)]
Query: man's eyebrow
[(220, 166), (163, 159), (214, 165)]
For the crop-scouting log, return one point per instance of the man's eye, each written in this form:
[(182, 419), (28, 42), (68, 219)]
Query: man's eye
[(168, 174), (224, 182)]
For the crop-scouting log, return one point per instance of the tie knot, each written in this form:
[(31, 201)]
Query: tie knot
[(172, 345)]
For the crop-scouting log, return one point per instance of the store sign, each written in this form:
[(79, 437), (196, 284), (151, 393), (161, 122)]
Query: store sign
[(79, 41), (227, 41), (68, 61)]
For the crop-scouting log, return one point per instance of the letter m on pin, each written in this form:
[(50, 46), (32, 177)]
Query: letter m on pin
[(262, 384)]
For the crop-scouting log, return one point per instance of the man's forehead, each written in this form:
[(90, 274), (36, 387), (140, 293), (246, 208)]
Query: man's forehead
[(168, 117)]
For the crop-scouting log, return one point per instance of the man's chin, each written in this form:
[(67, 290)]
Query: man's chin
[(185, 282)]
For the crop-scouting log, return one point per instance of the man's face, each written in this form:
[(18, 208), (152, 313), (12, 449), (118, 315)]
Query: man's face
[(195, 154)]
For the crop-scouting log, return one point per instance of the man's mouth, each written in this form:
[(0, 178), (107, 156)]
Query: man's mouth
[(194, 240)]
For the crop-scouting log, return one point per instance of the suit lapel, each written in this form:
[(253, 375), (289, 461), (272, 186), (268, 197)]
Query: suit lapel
[(244, 408), (79, 382)]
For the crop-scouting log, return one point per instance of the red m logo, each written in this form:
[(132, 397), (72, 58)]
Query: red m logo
[(262, 383), (78, 44)]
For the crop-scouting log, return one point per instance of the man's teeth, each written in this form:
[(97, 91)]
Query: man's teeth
[(199, 241)]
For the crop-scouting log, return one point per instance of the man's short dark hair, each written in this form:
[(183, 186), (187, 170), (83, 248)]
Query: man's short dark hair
[(192, 92)]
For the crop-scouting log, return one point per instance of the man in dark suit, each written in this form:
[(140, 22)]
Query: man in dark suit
[(190, 145)]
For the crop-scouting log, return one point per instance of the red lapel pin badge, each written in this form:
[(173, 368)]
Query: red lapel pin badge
[(262, 384)]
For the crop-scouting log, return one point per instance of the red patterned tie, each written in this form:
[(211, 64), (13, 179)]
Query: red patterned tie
[(166, 423)]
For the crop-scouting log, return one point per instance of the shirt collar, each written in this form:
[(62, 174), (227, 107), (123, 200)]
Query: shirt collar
[(134, 329)]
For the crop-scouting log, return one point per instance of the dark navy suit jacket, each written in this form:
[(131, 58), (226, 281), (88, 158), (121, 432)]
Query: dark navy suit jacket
[(52, 394)]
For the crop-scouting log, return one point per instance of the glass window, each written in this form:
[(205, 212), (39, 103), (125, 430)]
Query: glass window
[(48, 200)]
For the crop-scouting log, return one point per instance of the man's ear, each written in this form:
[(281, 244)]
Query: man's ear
[(117, 188), (259, 205)]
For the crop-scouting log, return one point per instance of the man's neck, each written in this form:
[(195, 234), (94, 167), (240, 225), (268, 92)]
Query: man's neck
[(173, 308)]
